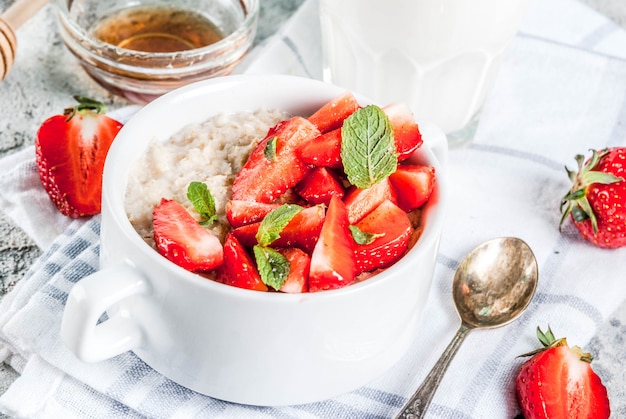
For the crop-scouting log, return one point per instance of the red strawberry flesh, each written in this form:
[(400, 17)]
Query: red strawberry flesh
[(324, 150), (332, 114), (264, 179), (558, 382), (413, 185), (240, 213), (319, 186), (239, 269), (70, 155), (394, 227), (180, 238), (406, 132), (299, 264), (332, 262), (302, 231), (360, 202)]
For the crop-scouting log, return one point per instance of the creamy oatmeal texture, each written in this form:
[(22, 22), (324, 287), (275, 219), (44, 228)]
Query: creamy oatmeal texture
[(212, 152)]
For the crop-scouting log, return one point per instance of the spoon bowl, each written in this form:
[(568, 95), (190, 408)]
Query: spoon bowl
[(492, 286), (495, 283)]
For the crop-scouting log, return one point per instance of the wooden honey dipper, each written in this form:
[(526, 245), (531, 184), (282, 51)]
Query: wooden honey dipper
[(18, 13)]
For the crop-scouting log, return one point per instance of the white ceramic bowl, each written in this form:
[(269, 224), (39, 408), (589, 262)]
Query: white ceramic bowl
[(234, 344)]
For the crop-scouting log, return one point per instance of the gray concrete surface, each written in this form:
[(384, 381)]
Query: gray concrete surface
[(45, 70)]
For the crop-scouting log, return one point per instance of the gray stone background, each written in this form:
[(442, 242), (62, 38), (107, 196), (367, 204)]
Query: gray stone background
[(44, 77)]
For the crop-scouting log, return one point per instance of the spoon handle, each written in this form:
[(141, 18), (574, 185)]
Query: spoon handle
[(418, 404)]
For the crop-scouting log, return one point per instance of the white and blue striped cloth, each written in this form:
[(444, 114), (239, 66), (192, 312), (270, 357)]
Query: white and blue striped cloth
[(561, 91)]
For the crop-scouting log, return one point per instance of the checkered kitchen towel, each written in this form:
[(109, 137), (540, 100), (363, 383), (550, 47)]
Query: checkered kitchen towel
[(561, 91)]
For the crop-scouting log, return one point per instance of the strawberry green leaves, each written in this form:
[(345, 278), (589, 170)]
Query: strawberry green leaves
[(273, 266), (368, 150)]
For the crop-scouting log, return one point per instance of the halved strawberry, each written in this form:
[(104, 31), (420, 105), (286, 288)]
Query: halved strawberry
[(319, 185), (413, 185), (332, 261), (70, 152), (302, 231), (406, 132), (360, 202), (240, 213), (332, 114), (393, 226), (239, 269), (324, 150), (182, 240), (273, 166), (558, 382), (299, 265)]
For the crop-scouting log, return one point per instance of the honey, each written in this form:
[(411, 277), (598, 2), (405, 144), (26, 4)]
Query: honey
[(157, 29)]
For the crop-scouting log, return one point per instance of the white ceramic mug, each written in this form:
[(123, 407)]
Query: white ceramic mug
[(234, 344), (439, 56)]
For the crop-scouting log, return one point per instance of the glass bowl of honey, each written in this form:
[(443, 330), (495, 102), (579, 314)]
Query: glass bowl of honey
[(141, 49)]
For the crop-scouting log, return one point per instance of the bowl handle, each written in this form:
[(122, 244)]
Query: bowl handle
[(88, 300)]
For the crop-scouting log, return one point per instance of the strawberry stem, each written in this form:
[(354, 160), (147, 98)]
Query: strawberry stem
[(84, 104)]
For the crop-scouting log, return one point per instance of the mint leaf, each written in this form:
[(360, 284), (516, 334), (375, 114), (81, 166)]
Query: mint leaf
[(362, 237), (368, 150), (199, 195), (270, 149), (273, 266), (274, 223)]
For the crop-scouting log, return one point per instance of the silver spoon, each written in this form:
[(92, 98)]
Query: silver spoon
[(492, 287)]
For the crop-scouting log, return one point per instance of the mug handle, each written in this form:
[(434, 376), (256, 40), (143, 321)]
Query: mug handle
[(436, 141), (88, 300)]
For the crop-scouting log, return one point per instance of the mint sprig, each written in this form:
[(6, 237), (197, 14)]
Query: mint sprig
[(199, 195), (270, 149), (274, 223), (368, 150), (363, 237), (272, 265)]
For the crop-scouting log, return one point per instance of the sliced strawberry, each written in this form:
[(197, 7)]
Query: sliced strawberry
[(299, 265), (332, 261), (558, 382), (360, 202), (239, 269), (240, 213), (332, 114), (70, 153), (324, 150), (302, 231), (180, 238), (394, 226), (319, 186), (413, 185), (406, 132), (265, 177)]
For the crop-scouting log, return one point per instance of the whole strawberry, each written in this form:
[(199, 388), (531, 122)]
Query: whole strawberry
[(70, 153), (558, 382), (597, 200)]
